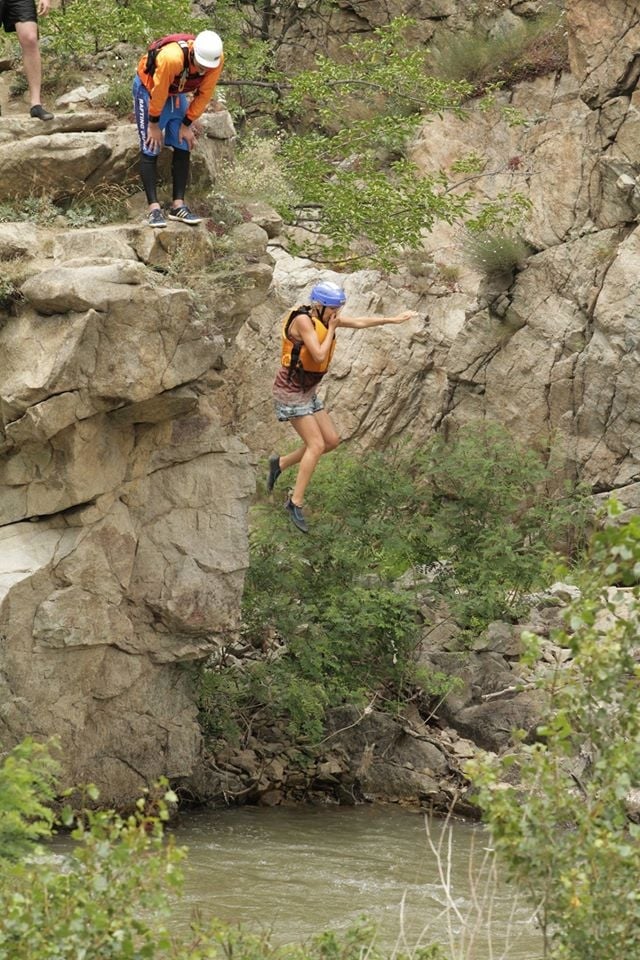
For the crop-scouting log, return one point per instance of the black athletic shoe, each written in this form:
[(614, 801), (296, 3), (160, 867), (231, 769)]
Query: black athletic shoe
[(296, 514), (39, 112), (274, 471), (184, 215)]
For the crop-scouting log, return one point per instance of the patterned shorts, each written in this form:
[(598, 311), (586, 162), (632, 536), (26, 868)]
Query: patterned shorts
[(301, 408)]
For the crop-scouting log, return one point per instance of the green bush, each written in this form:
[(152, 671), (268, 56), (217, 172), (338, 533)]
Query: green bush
[(476, 508), (80, 27), (100, 904), (496, 516), (27, 786), (34, 209), (558, 809)]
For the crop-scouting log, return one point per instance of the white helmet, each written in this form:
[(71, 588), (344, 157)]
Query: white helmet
[(207, 48)]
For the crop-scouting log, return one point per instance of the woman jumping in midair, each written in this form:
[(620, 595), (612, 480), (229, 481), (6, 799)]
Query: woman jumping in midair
[(308, 342)]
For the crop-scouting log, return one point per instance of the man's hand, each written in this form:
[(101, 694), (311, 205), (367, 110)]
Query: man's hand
[(43, 7), (154, 137), (188, 134)]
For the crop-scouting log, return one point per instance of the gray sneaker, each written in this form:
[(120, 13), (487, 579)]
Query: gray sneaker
[(40, 113), (156, 219), (296, 514)]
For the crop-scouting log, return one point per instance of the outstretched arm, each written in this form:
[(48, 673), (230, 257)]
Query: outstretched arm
[(359, 323)]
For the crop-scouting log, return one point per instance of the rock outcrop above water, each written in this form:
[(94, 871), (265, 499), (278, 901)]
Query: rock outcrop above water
[(123, 500)]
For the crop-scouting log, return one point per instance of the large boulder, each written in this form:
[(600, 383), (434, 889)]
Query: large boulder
[(133, 559), (74, 153)]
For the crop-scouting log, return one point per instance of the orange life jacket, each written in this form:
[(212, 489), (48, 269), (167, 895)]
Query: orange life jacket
[(295, 354)]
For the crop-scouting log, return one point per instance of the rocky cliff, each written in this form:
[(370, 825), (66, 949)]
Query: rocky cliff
[(549, 349), (132, 418), (123, 507)]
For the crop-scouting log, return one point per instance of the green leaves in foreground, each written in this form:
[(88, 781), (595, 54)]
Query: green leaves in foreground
[(27, 784), (562, 823), (99, 903)]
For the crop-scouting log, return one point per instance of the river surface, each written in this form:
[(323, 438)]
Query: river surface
[(293, 872)]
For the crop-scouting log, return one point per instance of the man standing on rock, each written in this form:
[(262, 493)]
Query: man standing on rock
[(173, 67), (21, 17)]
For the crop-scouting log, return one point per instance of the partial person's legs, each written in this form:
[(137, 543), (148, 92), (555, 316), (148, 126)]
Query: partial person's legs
[(148, 159), (28, 39), (319, 436), (27, 33), (180, 164)]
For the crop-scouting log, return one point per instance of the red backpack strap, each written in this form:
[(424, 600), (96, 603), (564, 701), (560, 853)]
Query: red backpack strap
[(157, 45)]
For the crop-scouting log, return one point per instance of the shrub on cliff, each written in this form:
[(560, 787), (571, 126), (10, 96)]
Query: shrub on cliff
[(477, 512)]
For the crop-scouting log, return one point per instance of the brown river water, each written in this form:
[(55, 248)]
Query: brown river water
[(294, 872)]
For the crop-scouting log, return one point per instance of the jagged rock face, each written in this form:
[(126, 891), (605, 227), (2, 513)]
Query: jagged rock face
[(604, 40), (123, 498), (550, 350), (305, 30)]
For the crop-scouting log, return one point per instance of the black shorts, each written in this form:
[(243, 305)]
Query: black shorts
[(17, 11)]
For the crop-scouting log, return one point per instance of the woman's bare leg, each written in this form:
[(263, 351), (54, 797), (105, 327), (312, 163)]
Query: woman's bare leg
[(319, 436)]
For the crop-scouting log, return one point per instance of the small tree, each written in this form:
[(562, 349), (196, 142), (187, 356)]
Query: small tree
[(563, 827)]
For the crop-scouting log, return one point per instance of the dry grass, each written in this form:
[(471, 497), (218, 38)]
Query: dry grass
[(536, 48)]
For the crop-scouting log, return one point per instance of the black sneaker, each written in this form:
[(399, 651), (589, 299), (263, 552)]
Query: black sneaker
[(296, 514), (274, 471), (184, 215), (39, 112)]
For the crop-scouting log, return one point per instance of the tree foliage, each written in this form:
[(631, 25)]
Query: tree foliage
[(558, 809), (79, 27), (476, 510)]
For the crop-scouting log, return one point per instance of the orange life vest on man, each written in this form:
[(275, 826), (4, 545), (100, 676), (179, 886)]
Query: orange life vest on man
[(295, 354)]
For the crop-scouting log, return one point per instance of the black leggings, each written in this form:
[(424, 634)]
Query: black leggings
[(179, 172)]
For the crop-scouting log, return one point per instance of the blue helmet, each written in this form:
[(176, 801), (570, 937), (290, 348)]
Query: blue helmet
[(328, 294)]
